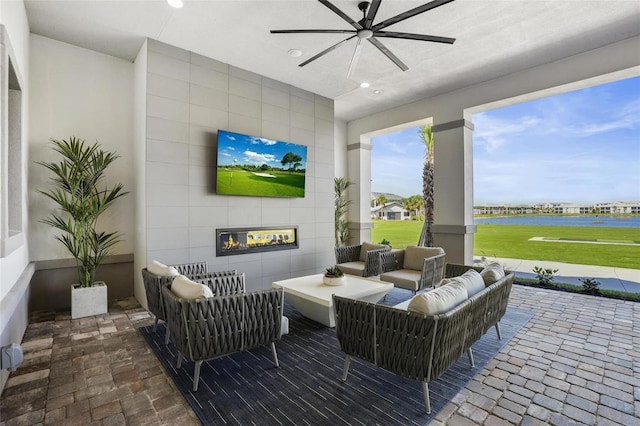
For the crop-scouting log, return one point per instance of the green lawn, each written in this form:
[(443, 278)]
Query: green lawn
[(242, 182), (512, 241)]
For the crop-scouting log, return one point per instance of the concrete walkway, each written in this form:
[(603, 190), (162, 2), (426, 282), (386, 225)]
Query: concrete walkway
[(621, 279)]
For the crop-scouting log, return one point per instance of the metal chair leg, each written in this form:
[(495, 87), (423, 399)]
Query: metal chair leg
[(427, 402), (196, 375), (155, 325), (274, 354), (473, 364), (498, 331), (345, 369), (179, 363)]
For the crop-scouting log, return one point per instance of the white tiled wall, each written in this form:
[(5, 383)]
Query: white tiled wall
[(190, 97)]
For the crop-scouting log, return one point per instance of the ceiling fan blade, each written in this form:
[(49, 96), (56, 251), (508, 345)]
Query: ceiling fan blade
[(410, 36), (312, 31), (341, 14), (354, 58), (381, 47), (371, 13), (325, 51), (410, 13)]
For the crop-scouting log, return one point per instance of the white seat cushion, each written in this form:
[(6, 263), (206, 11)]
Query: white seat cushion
[(161, 269), (492, 273), (184, 288), (440, 300), (284, 326), (352, 268), (403, 278)]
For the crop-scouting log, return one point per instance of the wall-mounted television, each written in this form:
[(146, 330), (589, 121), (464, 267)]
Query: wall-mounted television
[(252, 165)]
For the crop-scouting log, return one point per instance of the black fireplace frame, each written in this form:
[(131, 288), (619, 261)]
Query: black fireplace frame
[(272, 238)]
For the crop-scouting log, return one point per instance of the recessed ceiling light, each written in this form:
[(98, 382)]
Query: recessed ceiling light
[(364, 84), (376, 92), (175, 3), (295, 53)]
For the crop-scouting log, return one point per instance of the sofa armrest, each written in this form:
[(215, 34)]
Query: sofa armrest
[(347, 253)]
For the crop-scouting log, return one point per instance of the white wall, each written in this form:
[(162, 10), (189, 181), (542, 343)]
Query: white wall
[(189, 97), (82, 93), (14, 269)]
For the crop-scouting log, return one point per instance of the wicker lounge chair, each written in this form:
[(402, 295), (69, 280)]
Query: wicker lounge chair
[(415, 268), (153, 284), (361, 260), (208, 328)]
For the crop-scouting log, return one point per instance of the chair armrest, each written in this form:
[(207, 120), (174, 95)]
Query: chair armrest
[(222, 284), (432, 271), (262, 321), (191, 268), (372, 264), (391, 260), (455, 270), (347, 253)]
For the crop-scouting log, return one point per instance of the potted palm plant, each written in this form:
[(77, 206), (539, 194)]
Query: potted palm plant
[(81, 197)]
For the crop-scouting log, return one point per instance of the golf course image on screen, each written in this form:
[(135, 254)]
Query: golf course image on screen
[(252, 165)]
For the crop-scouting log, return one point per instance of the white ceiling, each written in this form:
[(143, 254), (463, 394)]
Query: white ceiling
[(494, 38)]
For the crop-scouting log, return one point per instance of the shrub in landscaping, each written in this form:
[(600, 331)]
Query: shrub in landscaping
[(545, 276)]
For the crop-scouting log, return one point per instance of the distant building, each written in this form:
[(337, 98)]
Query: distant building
[(391, 210), (618, 207)]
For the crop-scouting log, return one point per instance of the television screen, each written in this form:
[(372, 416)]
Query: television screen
[(251, 165)]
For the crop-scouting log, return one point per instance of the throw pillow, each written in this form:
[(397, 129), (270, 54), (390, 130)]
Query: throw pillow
[(368, 247), (158, 268), (472, 281), (440, 300), (492, 273), (414, 256), (184, 288)]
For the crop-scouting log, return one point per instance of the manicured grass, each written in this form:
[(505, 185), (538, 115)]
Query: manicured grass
[(512, 241), (242, 182)]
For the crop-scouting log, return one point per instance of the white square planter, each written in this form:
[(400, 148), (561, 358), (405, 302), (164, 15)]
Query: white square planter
[(88, 301)]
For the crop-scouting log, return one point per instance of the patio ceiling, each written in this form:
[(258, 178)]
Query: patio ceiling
[(494, 38)]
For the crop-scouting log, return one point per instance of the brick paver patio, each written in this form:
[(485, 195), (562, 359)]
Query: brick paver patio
[(576, 362)]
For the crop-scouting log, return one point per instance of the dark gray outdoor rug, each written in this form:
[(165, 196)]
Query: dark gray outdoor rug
[(246, 388)]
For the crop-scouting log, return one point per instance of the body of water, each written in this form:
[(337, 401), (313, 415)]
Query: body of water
[(592, 221)]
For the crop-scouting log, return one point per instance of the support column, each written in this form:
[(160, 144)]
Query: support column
[(453, 189), (359, 161)]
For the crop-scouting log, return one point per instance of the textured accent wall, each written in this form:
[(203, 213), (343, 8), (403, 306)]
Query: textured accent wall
[(189, 97)]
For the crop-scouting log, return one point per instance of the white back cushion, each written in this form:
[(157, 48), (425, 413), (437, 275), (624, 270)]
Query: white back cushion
[(492, 273), (368, 247), (414, 256), (184, 288), (440, 300), (472, 280), (158, 268)]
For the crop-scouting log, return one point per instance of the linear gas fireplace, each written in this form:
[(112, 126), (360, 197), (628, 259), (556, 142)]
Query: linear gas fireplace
[(255, 240)]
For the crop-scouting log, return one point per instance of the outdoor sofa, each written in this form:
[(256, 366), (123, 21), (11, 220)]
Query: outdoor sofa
[(415, 345)]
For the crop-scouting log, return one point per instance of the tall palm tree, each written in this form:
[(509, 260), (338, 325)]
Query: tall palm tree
[(426, 236)]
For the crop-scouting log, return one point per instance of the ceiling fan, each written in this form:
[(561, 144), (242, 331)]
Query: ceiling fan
[(366, 30)]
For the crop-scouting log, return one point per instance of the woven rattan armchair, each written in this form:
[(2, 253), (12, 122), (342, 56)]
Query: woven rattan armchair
[(427, 344), (153, 288), (361, 260), (415, 268), (208, 328)]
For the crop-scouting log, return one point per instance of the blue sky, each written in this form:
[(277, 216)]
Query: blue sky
[(254, 150), (580, 147)]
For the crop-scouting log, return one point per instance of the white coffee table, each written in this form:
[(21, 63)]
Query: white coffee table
[(312, 298)]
